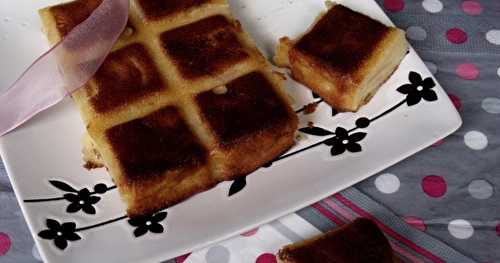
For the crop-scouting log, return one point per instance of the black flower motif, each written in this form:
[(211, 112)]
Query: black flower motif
[(82, 200), (148, 223), (343, 141), (61, 234), (241, 182), (418, 89)]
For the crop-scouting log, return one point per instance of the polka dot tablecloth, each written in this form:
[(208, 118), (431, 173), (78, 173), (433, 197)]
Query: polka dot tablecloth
[(450, 191)]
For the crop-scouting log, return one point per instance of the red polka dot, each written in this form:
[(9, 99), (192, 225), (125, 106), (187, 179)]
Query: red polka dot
[(5, 243), (434, 186), (266, 258), (456, 36), (498, 230), (250, 233), (467, 71), (456, 101), (438, 143), (394, 5), (182, 258), (415, 222), (472, 8)]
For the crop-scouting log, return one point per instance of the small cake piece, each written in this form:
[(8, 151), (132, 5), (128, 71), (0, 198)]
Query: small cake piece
[(358, 242), (345, 57)]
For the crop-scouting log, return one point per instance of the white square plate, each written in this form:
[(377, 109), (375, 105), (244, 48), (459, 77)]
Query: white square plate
[(43, 157)]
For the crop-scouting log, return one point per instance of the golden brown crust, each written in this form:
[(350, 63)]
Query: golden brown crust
[(150, 146), (206, 47), (127, 75), (343, 57), (358, 242), (248, 116), (141, 112)]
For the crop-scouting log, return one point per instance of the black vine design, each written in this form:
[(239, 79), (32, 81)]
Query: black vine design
[(343, 140), (82, 199), (148, 224), (62, 233), (237, 185), (418, 89), (340, 141)]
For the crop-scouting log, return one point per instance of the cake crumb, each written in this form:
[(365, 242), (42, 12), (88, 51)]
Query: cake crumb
[(310, 124), (280, 75), (91, 165), (220, 90), (310, 108)]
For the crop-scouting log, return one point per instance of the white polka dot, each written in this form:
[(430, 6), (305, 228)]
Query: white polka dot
[(217, 254), (460, 229), (498, 72), (476, 140), (432, 6), (480, 189), (491, 105), (35, 253), (431, 66), (416, 33), (387, 183), (493, 36)]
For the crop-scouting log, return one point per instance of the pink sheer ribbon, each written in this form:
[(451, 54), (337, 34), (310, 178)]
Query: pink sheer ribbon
[(66, 67)]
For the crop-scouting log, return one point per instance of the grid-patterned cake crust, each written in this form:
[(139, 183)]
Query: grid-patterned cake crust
[(154, 111)]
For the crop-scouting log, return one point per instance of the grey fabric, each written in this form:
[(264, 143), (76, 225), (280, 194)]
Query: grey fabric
[(453, 160)]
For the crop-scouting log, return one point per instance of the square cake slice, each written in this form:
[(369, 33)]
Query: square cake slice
[(156, 160), (358, 242), (345, 57), (243, 116)]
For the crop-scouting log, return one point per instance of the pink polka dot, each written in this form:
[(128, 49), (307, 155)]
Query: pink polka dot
[(438, 143), (472, 8), (456, 36), (456, 101), (434, 186), (467, 71), (498, 230), (394, 5), (415, 222), (181, 259), (250, 233), (5, 243), (266, 258)]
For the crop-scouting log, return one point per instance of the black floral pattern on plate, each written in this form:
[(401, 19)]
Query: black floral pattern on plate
[(147, 224), (60, 233), (82, 200), (340, 141), (418, 89), (79, 200), (238, 184), (343, 141)]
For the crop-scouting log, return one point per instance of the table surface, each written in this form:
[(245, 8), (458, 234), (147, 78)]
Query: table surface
[(450, 190)]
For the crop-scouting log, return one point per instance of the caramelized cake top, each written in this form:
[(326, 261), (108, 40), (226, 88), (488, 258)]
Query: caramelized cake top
[(358, 242), (127, 75), (152, 145), (69, 15), (250, 105), (337, 33), (157, 9), (206, 47)]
